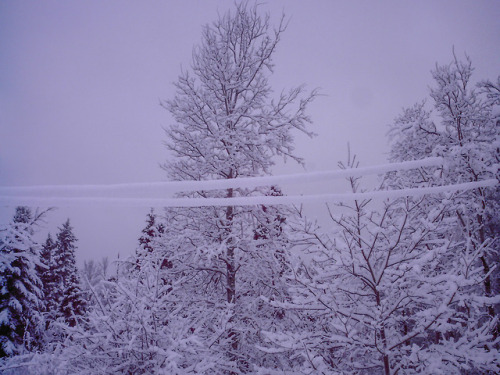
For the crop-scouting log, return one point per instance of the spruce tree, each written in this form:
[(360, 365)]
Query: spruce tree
[(20, 287), (67, 291), (150, 234), (152, 230), (47, 274)]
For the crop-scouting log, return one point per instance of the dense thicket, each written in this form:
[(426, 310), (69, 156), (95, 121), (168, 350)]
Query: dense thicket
[(408, 285)]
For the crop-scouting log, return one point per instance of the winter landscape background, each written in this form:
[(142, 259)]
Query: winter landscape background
[(229, 274)]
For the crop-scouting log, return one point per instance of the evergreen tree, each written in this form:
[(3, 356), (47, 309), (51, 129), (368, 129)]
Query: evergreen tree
[(148, 233), (20, 286), (151, 234), (23, 215), (47, 273), (67, 291)]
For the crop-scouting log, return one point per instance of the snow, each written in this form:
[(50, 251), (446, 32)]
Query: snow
[(34, 200), (244, 182)]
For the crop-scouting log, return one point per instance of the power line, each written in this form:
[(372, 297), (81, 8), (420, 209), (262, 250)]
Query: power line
[(237, 201), (85, 195), (190, 186)]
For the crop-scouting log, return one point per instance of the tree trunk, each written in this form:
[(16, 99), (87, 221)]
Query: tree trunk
[(387, 368), (230, 266), (231, 278)]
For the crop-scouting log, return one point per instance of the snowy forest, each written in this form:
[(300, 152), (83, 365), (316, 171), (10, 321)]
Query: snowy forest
[(406, 284)]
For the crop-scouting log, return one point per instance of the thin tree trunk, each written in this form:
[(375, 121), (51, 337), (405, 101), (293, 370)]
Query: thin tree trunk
[(387, 368), (231, 277)]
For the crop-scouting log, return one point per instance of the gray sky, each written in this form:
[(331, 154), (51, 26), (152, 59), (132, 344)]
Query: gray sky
[(80, 84)]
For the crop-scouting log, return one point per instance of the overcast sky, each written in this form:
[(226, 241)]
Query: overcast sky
[(81, 81)]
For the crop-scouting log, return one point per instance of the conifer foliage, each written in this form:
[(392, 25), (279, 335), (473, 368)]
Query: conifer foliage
[(20, 293), (61, 285), (151, 234), (47, 273), (67, 291)]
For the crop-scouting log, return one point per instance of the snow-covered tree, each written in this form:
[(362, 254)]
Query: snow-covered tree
[(130, 329), (66, 289), (150, 234), (47, 273), (151, 231), (208, 278), (228, 126), (92, 275), (392, 290), (20, 293), (464, 130), (409, 286)]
